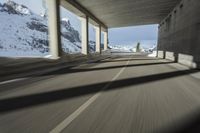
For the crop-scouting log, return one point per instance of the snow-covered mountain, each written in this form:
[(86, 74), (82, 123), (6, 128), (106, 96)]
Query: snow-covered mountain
[(23, 32), (14, 8), (121, 48), (129, 48)]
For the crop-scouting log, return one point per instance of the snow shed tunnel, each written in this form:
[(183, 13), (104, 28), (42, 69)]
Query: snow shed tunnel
[(179, 22)]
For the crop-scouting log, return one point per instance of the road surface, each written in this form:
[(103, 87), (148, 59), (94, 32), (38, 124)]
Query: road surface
[(122, 94)]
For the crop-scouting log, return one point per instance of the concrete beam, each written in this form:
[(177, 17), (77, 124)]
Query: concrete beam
[(119, 13), (98, 39), (105, 40), (81, 11), (54, 28), (84, 34)]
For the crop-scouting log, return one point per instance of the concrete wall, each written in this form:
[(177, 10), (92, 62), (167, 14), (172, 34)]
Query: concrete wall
[(179, 34)]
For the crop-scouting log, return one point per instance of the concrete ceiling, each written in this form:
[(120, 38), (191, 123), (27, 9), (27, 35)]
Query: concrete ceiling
[(121, 13)]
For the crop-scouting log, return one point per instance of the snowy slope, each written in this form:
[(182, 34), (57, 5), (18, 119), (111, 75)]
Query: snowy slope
[(24, 33), (121, 48), (17, 36)]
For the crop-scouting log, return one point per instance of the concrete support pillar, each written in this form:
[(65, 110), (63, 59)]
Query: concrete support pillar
[(54, 28), (84, 35), (105, 40), (98, 39)]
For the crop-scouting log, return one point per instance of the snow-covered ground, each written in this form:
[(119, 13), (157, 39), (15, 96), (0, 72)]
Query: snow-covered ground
[(121, 48), (17, 39), (153, 54), (24, 33)]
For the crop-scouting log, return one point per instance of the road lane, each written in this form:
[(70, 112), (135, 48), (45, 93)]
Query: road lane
[(162, 105), (148, 96), (75, 114), (39, 117)]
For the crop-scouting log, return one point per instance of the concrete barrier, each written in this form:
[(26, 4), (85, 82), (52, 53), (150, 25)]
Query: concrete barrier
[(179, 34)]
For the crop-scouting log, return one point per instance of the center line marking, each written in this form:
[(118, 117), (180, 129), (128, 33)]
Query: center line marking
[(13, 80), (76, 113)]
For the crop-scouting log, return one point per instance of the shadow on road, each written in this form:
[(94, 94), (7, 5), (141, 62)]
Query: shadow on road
[(20, 102), (68, 70), (192, 125), (76, 70), (189, 124), (135, 59)]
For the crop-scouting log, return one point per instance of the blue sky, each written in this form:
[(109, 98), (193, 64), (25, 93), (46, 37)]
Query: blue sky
[(147, 34), (131, 35)]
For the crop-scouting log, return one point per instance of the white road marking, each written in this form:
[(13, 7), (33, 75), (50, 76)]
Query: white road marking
[(13, 80), (76, 113)]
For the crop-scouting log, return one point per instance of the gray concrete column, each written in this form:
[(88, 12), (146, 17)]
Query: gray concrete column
[(98, 39), (84, 35), (54, 28), (105, 40)]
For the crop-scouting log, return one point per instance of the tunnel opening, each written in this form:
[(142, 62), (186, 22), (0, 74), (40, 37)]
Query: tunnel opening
[(135, 39)]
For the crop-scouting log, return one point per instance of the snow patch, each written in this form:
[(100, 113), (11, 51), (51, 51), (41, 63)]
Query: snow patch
[(153, 54), (65, 19)]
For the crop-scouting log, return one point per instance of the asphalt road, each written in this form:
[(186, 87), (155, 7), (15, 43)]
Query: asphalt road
[(122, 94)]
